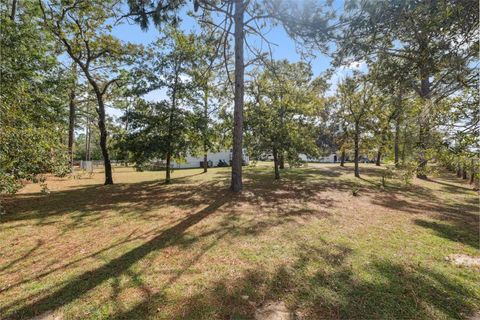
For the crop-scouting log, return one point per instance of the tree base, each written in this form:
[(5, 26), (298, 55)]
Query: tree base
[(422, 176)]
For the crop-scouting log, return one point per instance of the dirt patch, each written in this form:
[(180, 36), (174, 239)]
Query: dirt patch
[(463, 260), (274, 310)]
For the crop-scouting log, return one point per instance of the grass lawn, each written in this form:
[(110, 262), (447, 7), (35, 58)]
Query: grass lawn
[(192, 250)]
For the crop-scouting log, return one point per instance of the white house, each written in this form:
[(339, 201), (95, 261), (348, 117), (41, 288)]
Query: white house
[(331, 158), (213, 159)]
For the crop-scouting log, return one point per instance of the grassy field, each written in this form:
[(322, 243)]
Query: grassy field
[(192, 250)]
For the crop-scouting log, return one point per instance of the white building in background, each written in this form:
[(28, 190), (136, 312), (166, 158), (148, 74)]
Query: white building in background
[(214, 158), (331, 158)]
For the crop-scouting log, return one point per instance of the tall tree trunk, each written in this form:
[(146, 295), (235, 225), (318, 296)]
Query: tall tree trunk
[(472, 172), (101, 123), (396, 143), (205, 133), (342, 161), (125, 148), (71, 127), (71, 117), (404, 146), (459, 171), (281, 160), (356, 142), (464, 173), (424, 124), (103, 138), (87, 134), (170, 128), (236, 183), (275, 163)]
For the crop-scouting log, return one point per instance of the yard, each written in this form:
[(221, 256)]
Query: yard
[(193, 250)]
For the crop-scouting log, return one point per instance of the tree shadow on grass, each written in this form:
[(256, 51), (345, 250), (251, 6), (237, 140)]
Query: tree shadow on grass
[(452, 187), (321, 284), (454, 232), (337, 294), (91, 279), (140, 198)]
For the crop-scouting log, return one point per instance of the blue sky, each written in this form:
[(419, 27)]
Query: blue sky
[(285, 48)]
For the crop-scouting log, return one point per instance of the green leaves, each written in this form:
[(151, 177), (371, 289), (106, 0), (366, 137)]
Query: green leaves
[(283, 111)]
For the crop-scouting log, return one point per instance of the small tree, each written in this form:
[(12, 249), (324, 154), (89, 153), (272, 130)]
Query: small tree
[(355, 95), (166, 67), (282, 114)]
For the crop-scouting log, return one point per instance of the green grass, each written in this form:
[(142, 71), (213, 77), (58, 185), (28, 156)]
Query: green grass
[(192, 250)]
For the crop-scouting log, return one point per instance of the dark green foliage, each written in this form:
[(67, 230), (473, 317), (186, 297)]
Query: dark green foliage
[(32, 102), (150, 132)]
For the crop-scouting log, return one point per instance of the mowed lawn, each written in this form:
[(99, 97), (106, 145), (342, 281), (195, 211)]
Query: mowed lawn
[(193, 250)]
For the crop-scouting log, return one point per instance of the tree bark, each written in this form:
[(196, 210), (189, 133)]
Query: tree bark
[(459, 171), (396, 143), (167, 169), (275, 163), (125, 148), (71, 127), (170, 128), (86, 137), (342, 161), (71, 121), (103, 138), (281, 160), (472, 172), (424, 126), (101, 122), (236, 183), (464, 173), (379, 157), (205, 133), (356, 142)]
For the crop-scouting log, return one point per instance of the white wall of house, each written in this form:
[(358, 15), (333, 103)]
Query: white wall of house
[(214, 157), (330, 158)]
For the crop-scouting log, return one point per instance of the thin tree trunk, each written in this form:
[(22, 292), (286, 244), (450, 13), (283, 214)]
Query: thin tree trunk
[(103, 139), (125, 151), (464, 173), (205, 133), (472, 172), (356, 141), (459, 171), (396, 146), (424, 127), (236, 183), (71, 120), (170, 129), (342, 161), (101, 124), (275, 163), (88, 141), (404, 145), (71, 127)]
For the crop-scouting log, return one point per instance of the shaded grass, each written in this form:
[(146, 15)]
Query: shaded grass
[(193, 250)]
